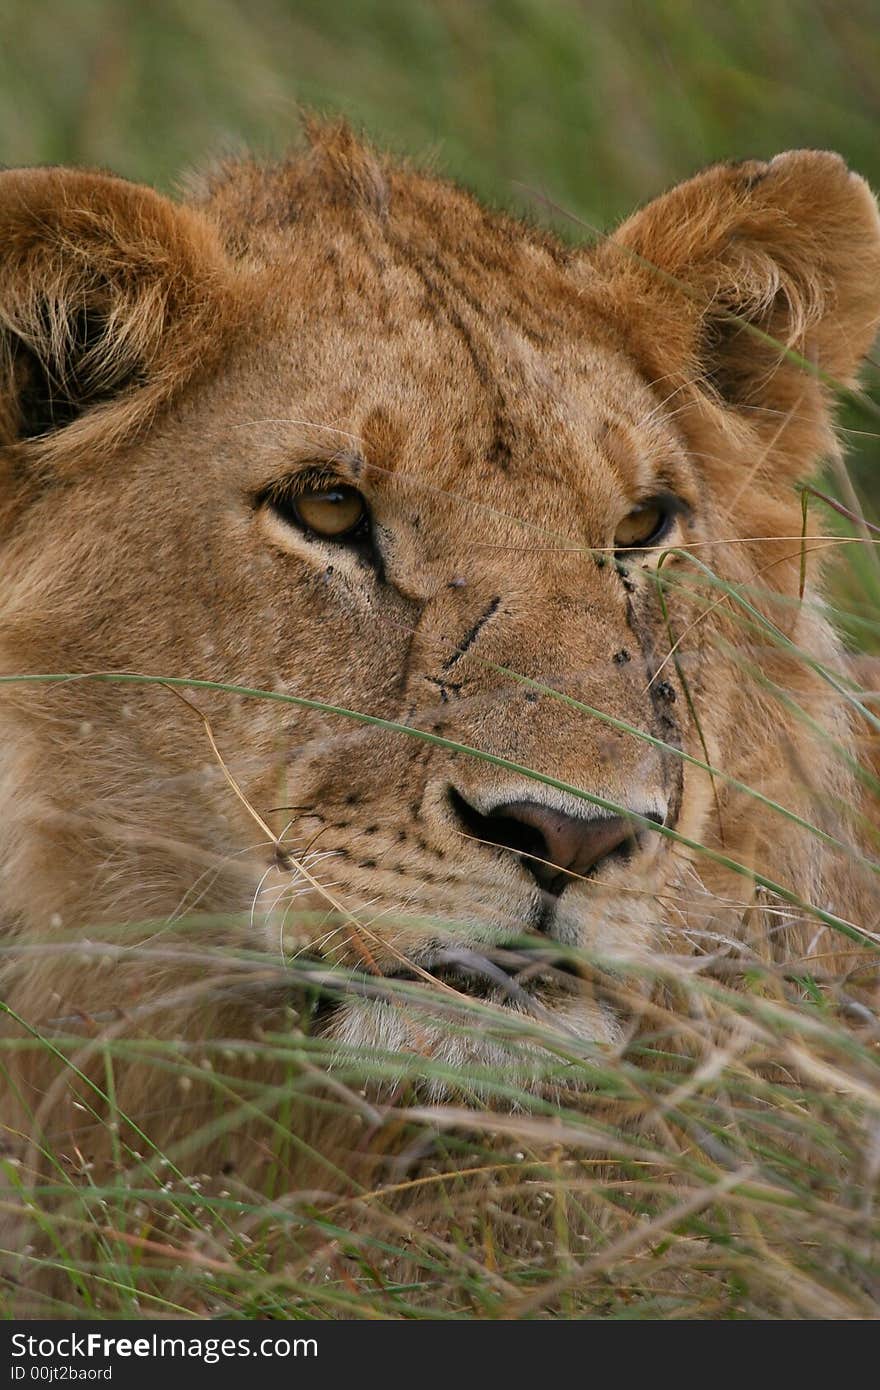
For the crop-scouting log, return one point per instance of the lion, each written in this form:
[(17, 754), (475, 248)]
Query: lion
[(329, 436)]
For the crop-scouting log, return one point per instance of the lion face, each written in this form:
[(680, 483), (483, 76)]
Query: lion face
[(337, 433), (485, 605)]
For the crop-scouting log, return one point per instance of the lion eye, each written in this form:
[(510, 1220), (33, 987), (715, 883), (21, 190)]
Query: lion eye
[(334, 512), (645, 525)]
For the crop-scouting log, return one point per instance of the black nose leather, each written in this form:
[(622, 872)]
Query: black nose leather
[(553, 846)]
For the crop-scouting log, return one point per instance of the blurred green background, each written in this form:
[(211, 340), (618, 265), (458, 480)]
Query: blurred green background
[(599, 103), (593, 104)]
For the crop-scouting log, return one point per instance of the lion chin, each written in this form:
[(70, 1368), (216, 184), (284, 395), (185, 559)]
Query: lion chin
[(511, 992), (467, 1055)]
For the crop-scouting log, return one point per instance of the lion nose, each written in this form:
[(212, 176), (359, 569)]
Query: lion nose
[(555, 847)]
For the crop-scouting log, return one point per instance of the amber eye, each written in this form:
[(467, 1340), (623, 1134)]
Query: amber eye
[(335, 512), (645, 525)]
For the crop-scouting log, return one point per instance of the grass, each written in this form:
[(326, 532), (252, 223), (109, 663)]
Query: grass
[(723, 1179), (726, 1175), (728, 1161)]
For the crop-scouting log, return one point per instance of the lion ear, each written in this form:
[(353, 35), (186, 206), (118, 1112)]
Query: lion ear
[(790, 248), (110, 296)]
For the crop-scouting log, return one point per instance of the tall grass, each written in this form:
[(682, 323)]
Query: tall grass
[(728, 1175)]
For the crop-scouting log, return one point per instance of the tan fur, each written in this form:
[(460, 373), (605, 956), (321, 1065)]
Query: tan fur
[(503, 402)]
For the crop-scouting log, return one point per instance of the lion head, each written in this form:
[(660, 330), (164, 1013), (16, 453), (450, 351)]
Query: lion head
[(333, 431)]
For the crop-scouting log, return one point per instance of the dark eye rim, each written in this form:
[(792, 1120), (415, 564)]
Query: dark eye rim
[(360, 528), (362, 542), (284, 502), (670, 506)]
